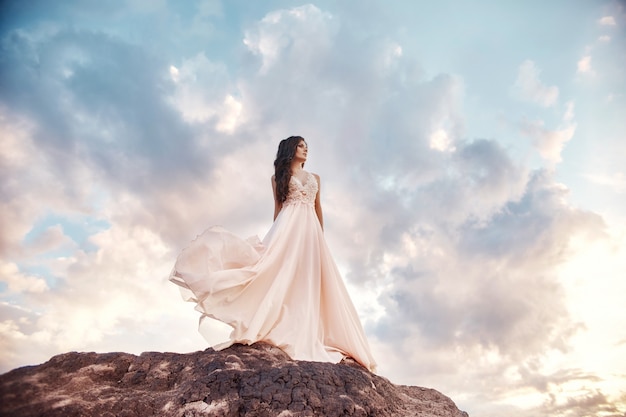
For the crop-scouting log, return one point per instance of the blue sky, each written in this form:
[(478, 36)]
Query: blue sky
[(471, 156)]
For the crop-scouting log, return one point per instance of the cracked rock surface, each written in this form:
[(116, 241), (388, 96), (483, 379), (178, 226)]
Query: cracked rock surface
[(257, 380)]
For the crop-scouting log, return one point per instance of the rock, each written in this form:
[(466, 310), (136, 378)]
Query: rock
[(258, 380)]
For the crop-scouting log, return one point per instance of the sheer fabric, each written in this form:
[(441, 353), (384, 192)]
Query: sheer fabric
[(285, 290)]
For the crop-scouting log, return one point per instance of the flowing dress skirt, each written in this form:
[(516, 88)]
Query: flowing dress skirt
[(286, 290)]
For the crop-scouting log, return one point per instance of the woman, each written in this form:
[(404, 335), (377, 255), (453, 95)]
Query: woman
[(287, 290)]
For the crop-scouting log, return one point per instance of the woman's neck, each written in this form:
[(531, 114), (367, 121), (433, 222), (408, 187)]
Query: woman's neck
[(296, 166)]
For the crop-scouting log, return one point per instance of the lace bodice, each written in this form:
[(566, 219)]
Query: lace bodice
[(302, 193)]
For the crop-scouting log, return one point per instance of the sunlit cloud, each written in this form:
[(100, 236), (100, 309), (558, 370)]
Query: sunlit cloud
[(584, 65), (304, 28), (174, 73), (550, 142), (202, 91), (440, 141), (607, 21), (17, 282)]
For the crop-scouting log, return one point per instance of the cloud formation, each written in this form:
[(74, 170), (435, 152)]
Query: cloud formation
[(548, 142), (118, 148), (607, 21), (584, 65), (529, 87)]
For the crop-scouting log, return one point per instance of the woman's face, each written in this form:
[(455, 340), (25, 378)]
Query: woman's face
[(301, 151)]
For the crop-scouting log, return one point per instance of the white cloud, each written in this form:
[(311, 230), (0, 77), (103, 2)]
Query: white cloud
[(607, 21), (529, 87), (28, 170), (584, 65), (203, 93), (440, 141), (550, 142), (604, 38), (230, 115), (104, 294), (306, 29), (394, 52), (18, 282), (174, 73)]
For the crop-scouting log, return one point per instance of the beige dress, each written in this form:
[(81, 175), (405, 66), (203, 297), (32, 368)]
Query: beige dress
[(286, 290)]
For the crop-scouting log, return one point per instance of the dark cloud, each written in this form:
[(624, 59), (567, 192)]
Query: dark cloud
[(495, 284), (538, 226), (591, 403), (95, 97)]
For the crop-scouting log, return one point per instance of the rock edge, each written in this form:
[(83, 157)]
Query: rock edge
[(257, 380)]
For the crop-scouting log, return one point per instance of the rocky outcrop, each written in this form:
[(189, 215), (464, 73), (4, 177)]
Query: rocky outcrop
[(257, 380)]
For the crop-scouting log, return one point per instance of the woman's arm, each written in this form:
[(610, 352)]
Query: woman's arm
[(318, 204), (277, 206)]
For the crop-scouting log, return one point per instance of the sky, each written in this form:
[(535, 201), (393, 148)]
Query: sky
[(472, 164)]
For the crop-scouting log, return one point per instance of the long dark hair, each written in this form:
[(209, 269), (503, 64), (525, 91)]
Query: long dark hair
[(282, 165)]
